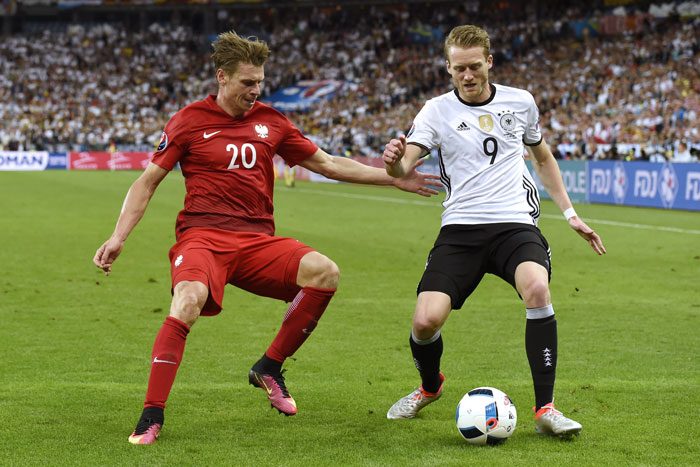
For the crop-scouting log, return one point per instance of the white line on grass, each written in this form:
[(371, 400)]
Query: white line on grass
[(662, 228), (387, 199)]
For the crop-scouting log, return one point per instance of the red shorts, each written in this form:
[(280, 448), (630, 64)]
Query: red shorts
[(259, 263)]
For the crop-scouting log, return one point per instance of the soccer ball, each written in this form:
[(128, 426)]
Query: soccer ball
[(486, 416)]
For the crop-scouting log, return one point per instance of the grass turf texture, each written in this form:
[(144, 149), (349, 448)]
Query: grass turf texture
[(76, 344)]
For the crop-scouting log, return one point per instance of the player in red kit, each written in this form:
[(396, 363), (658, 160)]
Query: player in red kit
[(225, 232)]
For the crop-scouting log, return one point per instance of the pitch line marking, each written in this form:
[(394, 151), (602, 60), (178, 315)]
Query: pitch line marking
[(548, 216)]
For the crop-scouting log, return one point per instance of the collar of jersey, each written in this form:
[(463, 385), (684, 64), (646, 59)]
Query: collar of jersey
[(478, 104)]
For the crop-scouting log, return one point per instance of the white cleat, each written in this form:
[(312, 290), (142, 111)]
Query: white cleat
[(409, 406), (550, 421)]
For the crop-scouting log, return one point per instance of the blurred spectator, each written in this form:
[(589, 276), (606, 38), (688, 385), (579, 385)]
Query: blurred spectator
[(682, 153)]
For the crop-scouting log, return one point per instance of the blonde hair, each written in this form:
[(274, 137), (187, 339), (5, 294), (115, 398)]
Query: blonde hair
[(467, 36), (230, 50)]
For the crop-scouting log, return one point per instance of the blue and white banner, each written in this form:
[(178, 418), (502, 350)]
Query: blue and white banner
[(573, 173), (304, 94), (23, 160), (57, 160), (670, 186)]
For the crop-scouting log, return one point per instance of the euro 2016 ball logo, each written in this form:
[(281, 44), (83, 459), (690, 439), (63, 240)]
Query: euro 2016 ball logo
[(668, 186), (486, 415)]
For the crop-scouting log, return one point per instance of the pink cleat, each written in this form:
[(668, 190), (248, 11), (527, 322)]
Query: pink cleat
[(149, 436), (149, 426), (277, 393)]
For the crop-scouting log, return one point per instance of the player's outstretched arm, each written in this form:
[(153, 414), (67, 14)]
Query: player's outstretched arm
[(133, 208), (548, 171), (348, 170)]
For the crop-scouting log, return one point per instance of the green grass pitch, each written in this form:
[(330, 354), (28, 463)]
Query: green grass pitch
[(75, 344)]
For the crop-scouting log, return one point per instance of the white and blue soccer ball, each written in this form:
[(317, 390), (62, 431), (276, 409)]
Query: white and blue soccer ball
[(486, 416)]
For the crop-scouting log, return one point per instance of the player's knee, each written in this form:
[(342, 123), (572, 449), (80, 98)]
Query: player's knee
[(328, 275), (188, 300), (536, 294), (432, 310), (425, 327), (426, 324), (319, 271)]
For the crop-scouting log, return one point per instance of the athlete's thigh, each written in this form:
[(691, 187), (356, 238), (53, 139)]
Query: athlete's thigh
[(524, 243), (268, 265), (456, 264), (203, 255)]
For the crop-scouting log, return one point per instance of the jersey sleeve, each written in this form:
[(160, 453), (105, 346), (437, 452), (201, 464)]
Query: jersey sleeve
[(532, 135), (295, 147), (423, 132), (173, 143)]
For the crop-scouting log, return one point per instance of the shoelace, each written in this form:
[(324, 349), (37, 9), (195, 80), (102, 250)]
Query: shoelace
[(554, 412), (550, 409), (417, 397), (144, 424), (558, 417), (279, 379)]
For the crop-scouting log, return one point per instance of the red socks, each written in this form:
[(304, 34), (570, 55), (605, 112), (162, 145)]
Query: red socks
[(167, 355), (301, 318)]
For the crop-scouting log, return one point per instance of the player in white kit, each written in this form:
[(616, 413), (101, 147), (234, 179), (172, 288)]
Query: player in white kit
[(480, 131)]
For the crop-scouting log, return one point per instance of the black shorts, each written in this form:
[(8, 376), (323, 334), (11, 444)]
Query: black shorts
[(462, 254)]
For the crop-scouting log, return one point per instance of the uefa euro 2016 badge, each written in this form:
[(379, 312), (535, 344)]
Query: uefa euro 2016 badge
[(163, 143)]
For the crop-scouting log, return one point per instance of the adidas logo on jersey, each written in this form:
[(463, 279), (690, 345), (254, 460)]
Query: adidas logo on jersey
[(463, 126)]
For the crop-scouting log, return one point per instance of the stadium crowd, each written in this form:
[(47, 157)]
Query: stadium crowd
[(635, 94)]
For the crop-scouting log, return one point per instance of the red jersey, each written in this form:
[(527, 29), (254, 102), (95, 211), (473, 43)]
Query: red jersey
[(227, 163)]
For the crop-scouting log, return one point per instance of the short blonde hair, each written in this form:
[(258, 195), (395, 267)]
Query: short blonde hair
[(230, 50), (467, 36)]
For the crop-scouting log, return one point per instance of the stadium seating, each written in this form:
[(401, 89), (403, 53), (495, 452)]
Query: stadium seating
[(606, 88)]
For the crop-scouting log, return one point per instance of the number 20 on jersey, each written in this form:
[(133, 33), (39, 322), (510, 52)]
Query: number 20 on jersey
[(247, 154)]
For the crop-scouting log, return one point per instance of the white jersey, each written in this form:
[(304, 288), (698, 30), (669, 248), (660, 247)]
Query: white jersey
[(480, 149)]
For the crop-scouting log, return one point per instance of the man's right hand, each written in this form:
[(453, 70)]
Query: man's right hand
[(107, 254), (394, 151)]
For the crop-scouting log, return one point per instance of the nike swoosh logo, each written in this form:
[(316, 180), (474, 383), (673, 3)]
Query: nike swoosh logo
[(262, 384), (158, 360), (209, 135)]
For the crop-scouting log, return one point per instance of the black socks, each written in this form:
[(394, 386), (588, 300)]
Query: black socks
[(267, 365), (541, 348), (426, 356)]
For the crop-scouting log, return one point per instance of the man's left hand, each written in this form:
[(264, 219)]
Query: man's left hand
[(418, 182), (587, 234)]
